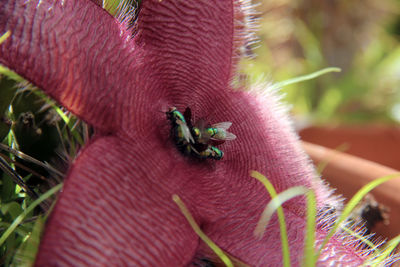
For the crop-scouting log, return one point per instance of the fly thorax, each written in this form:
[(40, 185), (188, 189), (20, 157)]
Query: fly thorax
[(212, 131), (197, 132)]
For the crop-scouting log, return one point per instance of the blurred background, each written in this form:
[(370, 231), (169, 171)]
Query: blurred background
[(359, 36), (356, 110)]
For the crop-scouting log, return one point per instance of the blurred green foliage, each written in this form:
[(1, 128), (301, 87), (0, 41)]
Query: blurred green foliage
[(34, 125), (29, 123), (361, 37)]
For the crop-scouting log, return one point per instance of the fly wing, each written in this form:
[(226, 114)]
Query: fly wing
[(186, 132), (222, 125), (229, 136), (188, 135), (202, 126), (223, 134)]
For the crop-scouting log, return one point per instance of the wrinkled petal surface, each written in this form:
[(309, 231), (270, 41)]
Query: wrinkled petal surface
[(116, 206)]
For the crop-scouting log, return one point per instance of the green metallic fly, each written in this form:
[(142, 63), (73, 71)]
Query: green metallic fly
[(215, 132), (180, 129), (199, 145), (211, 153), (181, 132)]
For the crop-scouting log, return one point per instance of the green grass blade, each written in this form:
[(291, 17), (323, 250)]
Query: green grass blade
[(309, 251), (21, 217), (4, 70), (5, 36), (60, 113), (306, 77), (10, 74), (53, 105), (281, 217), (21, 232), (26, 254), (360, 237), (274, 204), (112, 6), (200, 233), (389, 249), (353, 203)]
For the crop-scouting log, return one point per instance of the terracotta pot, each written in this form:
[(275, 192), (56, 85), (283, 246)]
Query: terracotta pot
[(377, 143), (348, 174)]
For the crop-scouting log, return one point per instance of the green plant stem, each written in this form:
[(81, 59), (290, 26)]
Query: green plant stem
[(306, 77), (200, 233), (390, 247), (310, 258), (21, 217), (282, 222)]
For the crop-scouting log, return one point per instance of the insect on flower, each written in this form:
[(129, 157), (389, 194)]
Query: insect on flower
[(216, 132), (180, 129), (211, 153), (199, 146)]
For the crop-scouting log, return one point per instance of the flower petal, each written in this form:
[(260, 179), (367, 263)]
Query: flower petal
[(114, 209), (191, 42), (73, 50)]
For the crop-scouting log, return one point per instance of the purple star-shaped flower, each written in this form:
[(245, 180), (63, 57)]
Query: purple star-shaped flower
[(116, 207)]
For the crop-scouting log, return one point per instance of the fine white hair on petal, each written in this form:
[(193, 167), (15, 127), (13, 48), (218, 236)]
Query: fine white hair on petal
[(246, 25), (270, 101), (126, 13), (270, 97), (348, 242)]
